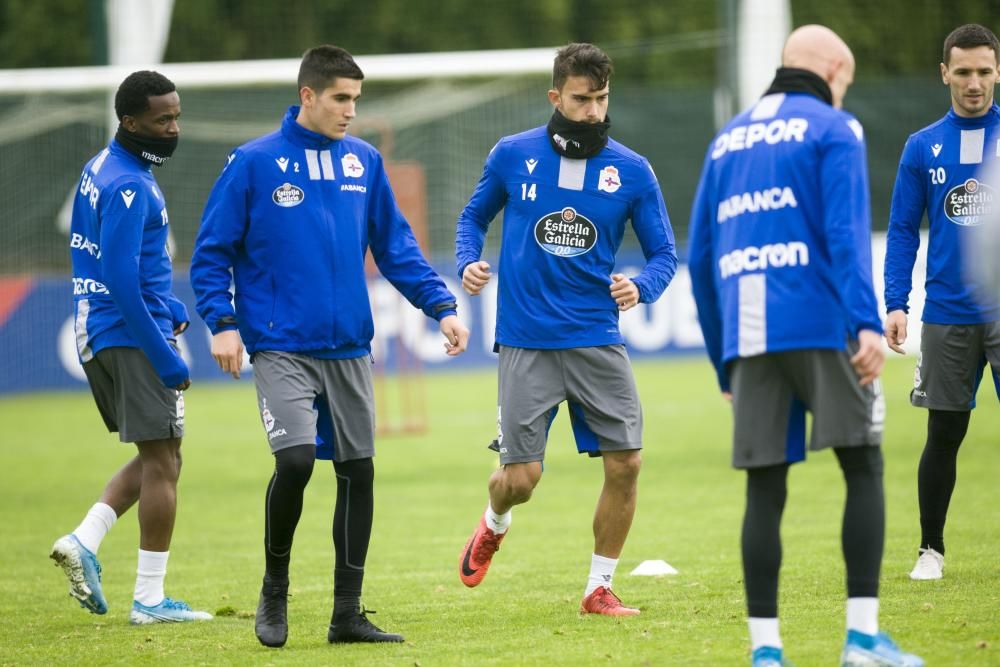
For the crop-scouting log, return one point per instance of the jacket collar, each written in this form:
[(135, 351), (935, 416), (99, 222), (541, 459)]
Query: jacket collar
[(989, 118), (300, 136)]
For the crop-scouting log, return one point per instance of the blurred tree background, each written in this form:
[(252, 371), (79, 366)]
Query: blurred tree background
[(888, 37)]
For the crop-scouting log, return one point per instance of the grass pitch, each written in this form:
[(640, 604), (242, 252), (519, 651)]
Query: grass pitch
[(430, 491)]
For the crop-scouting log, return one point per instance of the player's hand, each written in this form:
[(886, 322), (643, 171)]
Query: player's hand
[(227, 350), (183, 385), (181, 328), (870, 357), (895, 330), (728, 395), (475, 277), (624, 291), (456, 333)]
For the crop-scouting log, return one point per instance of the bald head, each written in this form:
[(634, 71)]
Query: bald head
[(821, 51)]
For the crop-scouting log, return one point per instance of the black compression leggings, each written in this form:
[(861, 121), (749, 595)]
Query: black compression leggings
[(862, 534), (937, 472), (283, 505)]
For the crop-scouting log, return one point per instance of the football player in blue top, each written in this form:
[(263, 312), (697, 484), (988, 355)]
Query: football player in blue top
[(780, 260), (567, 191), (127, 322), (289, 221), (939, 174)]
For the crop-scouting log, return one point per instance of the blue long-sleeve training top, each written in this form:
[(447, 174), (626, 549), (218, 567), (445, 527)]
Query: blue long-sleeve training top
[(939, 174), (780, 235), (291, 217), (563, 224), (121, 268)]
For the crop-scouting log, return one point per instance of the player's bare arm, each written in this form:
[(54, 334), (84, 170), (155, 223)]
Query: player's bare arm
[(475, 277), (227, 350)]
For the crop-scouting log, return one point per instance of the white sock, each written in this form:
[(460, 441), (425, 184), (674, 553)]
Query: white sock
[(862, 615), (601, 571), (498, 523), (149, 577), (95, 526), (764, 632)]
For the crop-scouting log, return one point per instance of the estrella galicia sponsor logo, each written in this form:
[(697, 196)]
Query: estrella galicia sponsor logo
[(565, 233), (752, 258), (288, 195), (970, 203)]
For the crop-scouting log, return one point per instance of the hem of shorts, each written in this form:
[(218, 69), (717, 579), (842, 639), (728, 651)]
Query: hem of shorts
[(168, 434), (627, 447), (857, 443), (940, 406), (529, 458)]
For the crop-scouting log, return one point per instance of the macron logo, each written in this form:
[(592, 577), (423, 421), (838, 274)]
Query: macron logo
[(282, 162), (530, 164), (936, 149), (128, 196)]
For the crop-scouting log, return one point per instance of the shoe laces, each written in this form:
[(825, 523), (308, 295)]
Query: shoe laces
[(487, 545), (169, 603), (606, 599)]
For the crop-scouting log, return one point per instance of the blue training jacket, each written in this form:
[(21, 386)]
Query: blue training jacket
[(563, 223), (938, 175), (780, 236), (121, 268), (292, 215)]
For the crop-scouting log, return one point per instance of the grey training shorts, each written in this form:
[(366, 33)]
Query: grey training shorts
[(329, 402), (131, 397), (951, 363), (772, 393), (596, 382)]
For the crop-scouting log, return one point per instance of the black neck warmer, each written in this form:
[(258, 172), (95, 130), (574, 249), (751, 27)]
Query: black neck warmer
[(155, 150), (792, 80), (577, 140)]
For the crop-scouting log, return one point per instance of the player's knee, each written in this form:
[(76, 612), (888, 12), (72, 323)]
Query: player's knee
[(622, 468), (946, 429), (295, 463), (860, 460), (358, 471), (516, 482)]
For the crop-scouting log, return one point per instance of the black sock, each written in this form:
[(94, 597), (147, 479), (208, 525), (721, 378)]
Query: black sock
[(862, 535), (761, 539), (352, 530), (936, 475), (283, 505)]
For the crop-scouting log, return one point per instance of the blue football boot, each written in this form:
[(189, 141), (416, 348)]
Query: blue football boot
[(878, 650), (83, 571)]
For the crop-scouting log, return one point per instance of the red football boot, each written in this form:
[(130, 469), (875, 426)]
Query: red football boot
[(603, 601), (477, 554)]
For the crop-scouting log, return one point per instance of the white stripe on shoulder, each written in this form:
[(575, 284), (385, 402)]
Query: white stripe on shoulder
[(767, 106), (99, 162)]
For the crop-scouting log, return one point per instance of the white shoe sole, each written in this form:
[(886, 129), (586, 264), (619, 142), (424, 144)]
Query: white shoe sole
[(66, 556)]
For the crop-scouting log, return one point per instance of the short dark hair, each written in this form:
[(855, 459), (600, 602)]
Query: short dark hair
[(581, 59), (322, 64), (133, 94), (969, 36)]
